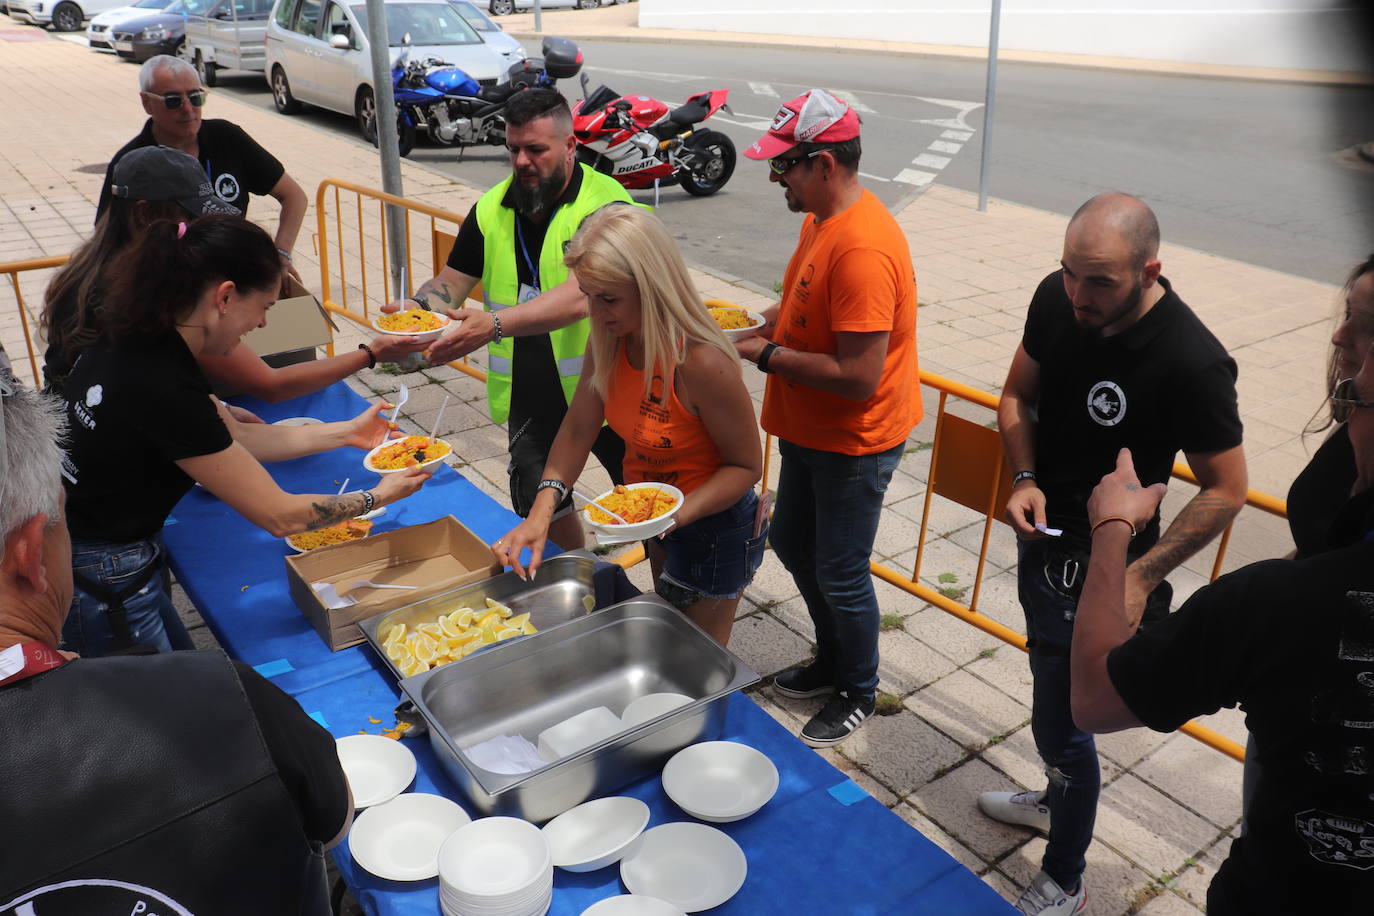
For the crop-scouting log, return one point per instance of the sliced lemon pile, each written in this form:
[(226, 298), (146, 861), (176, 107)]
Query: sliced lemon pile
[(452, 636)]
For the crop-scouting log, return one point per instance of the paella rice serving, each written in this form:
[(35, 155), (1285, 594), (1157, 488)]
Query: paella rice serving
[(732, 319), (634, 506), (408, 453), (350, 530), (411, 321)]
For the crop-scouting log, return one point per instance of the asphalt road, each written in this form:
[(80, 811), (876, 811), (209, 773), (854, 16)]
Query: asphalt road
[(1259, 172)]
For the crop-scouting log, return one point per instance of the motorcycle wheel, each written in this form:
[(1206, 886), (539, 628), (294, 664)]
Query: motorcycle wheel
[(281, 93), (713, 162), (501, 7)]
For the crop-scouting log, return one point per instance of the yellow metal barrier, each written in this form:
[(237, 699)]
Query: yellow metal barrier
[(12, 270)]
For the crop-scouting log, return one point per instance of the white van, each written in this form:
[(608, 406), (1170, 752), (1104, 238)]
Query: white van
[(62, 15)]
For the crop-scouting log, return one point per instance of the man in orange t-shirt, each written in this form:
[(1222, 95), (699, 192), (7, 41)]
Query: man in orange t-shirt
[(842, 396)]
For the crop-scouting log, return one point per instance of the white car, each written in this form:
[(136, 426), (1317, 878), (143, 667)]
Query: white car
[(317, 52), (98, 31), (63, 15)]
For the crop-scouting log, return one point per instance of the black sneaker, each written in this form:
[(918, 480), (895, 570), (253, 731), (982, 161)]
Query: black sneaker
[(804, 682), (837, 720)]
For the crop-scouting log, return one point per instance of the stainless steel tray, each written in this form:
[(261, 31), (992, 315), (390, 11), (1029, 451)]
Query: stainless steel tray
[(606, 659), (557, 594)]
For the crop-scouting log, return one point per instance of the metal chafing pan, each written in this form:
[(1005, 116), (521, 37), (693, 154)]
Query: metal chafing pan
[(607, 658), (557, 594)]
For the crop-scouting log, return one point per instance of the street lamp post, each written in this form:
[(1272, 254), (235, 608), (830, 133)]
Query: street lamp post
[(384, 102), (989, 100)]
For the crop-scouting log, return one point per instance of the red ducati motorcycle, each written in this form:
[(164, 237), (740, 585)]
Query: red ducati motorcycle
[(637, 141)]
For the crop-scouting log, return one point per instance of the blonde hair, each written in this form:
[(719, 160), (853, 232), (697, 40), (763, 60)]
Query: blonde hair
[(626, 244)]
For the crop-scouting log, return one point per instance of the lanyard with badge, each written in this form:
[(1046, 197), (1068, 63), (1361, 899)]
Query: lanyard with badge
[(527, 291)]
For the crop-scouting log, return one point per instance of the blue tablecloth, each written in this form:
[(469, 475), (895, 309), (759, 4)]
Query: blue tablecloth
[(821, 845)]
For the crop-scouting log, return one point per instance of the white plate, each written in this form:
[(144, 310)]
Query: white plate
[(418, 335), (367, 459), (577, 732), (298, 421), (632, 905), (615, 532), (692, 866), (740, 333), (378, 769), (287, 540), (494, 857), (400, 840), (595, 834), (720, 781), (651, 706)]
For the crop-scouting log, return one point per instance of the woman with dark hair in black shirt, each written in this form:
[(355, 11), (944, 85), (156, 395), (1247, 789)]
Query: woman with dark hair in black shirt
[(144, 425)]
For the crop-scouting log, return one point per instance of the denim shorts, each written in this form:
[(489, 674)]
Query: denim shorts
[(714, 557)]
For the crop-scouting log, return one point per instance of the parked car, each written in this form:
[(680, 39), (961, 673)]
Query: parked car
[(491, 33), (98, 31), (153, 33), (62, 15), (319, 52), (502, 7), (225, 35)]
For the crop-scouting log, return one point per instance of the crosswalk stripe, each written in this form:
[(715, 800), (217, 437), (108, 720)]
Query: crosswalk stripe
[(941, 146), (763, 89), (960, 135), (914, 176), (853, 101), (930, 161)]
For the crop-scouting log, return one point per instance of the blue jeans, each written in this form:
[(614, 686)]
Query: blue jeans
[(824, 522), (151, 616), (1070, 754), (714, 557)]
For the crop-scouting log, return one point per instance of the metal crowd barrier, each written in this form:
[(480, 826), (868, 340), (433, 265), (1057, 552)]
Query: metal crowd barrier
[(966, 462)]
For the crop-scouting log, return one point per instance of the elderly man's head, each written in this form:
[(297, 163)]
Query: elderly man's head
[(36, 563), (172, 96)]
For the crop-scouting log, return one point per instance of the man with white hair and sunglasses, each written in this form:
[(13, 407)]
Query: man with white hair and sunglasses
[(235, 165), (171, 783), (1289, 641)]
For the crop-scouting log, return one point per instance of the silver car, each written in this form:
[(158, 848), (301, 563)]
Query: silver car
[(317, 51), (502, 7)]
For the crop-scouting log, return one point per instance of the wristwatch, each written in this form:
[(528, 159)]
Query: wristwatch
[(421, 303), (1022, 475), (764, 355)]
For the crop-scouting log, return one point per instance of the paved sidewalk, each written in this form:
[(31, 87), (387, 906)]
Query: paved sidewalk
[(1170, 806)]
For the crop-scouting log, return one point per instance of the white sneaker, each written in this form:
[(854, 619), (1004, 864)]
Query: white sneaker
[(1045, 897), (1028, 809)]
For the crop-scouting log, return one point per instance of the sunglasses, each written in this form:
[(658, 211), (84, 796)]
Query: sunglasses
[(173, 99), (1344, 399), (781, 166)]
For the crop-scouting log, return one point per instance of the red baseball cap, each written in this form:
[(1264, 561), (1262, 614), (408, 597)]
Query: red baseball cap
[(815, 116)]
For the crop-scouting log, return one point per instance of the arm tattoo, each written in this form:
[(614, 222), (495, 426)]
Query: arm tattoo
[(1201, 520), (438, 289), (335, 509)]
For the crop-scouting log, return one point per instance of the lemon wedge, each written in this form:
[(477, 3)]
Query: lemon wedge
[(487, 620), (506, 633), (487, 637), (518, 621), (471, 648), (527, 628), (462, 617), (432, 630), (499, 607)]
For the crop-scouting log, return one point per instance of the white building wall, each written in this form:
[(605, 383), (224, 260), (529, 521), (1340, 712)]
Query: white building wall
[(1296, 34)]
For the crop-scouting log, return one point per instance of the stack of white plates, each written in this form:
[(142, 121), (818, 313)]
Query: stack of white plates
[(496, 866)]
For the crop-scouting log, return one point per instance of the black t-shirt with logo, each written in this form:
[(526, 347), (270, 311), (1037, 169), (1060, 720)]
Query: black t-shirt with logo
[(1305, 691), (233, 161), (1163, 385), (134, 410)]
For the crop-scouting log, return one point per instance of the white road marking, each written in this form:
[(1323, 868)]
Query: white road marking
[(874, 177), (853, 101), (960, 135), (930, 161), (912, 176), (765, 89), (941, 146), (954, 123), (665, 77), (749, 122)]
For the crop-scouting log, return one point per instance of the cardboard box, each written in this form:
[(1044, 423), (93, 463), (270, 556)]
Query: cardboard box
[(435, 557), (296, 325)]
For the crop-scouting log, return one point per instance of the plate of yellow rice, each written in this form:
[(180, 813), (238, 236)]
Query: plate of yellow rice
[(409, 452), (647, 507), (417, 322), (735, 322), (351, 530)]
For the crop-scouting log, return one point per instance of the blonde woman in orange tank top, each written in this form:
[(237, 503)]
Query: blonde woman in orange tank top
[(660, 371)]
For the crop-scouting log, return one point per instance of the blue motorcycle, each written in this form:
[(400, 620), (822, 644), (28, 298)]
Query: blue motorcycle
[(455, 110)]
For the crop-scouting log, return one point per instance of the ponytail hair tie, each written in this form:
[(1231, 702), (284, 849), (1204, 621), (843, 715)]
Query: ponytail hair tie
[(181, 229)]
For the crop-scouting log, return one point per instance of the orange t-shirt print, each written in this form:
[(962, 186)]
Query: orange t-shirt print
[(849, 273), (664, 442)]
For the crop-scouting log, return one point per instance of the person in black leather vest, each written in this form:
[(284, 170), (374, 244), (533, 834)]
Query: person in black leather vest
[(180, 783)]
